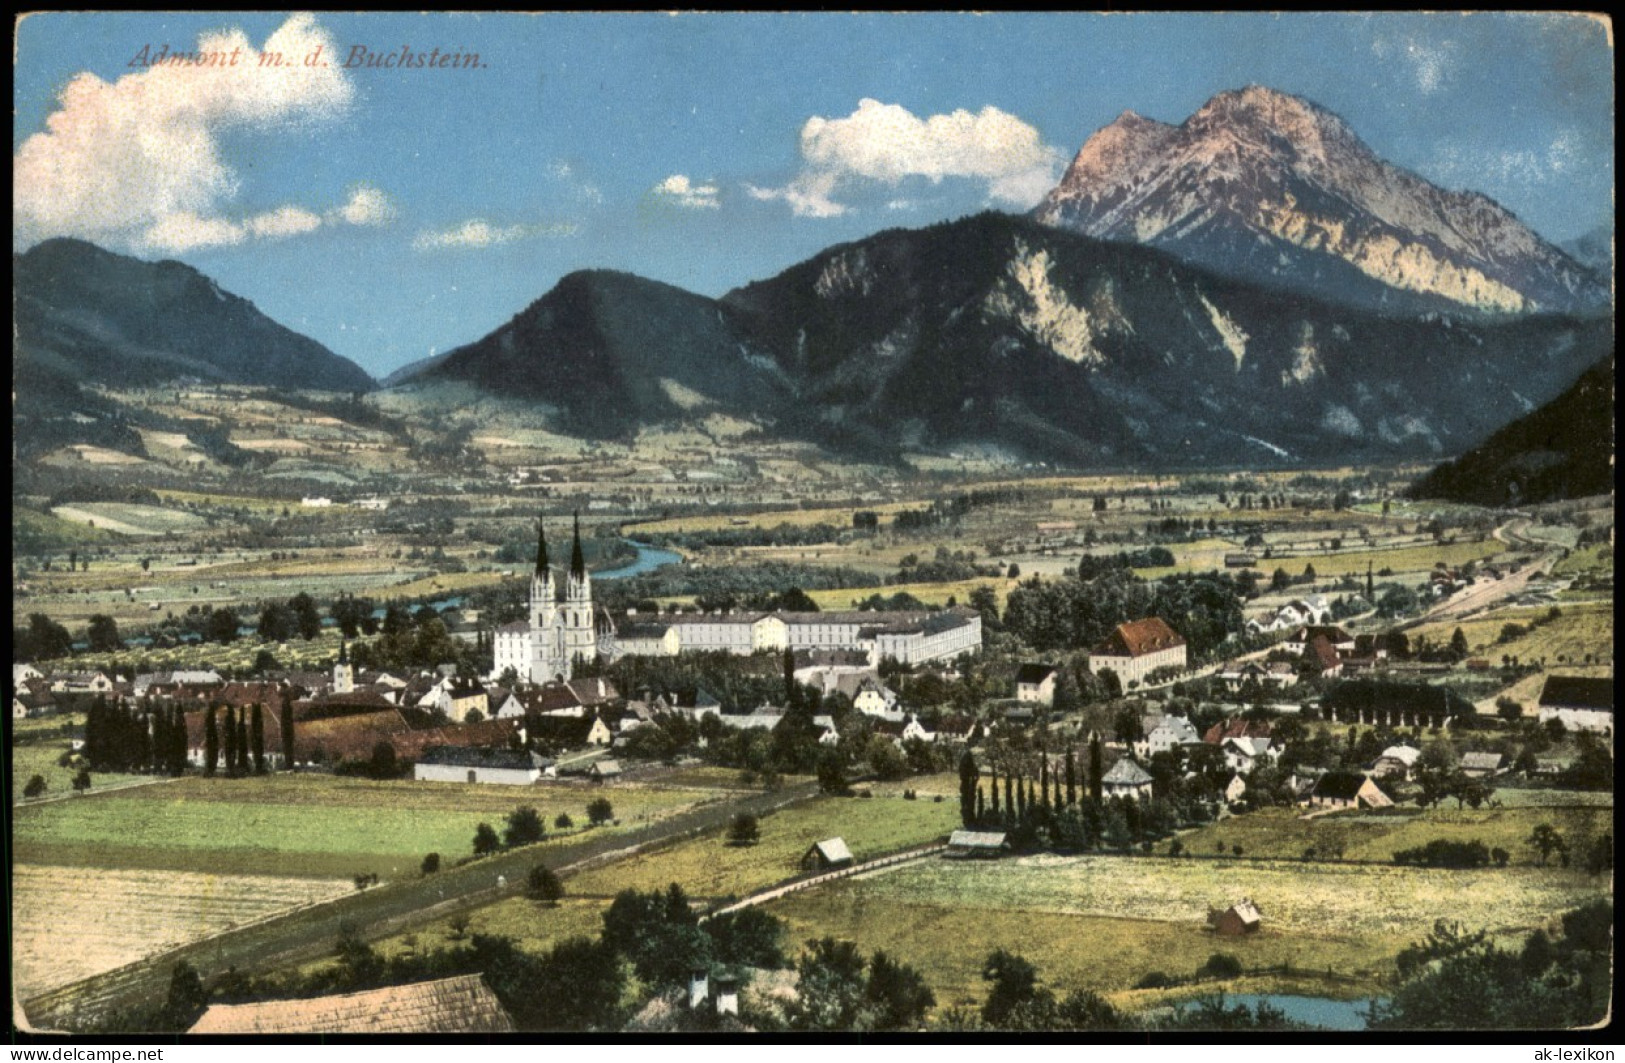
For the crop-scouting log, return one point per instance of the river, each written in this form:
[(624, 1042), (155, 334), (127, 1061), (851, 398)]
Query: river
[(649, 559)]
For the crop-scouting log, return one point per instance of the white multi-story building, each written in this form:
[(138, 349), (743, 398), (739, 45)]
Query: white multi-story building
[(1136, 649), (910, 638)]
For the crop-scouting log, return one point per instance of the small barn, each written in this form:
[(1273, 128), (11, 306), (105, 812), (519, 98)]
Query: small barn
[(604, 770), (975, 845), (1240, 918), (827, 855), (460, 1005)]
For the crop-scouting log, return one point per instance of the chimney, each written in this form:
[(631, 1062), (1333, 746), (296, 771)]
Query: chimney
[(698, 988)]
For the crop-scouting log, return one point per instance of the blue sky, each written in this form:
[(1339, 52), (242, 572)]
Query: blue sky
[(394, 212)]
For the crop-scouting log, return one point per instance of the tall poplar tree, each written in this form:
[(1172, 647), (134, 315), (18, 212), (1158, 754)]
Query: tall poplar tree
[(211, 742), (1071, 778), (257, 738), (1095, 769), (243, 766), (231, 740), (287, 730), (968, 776)]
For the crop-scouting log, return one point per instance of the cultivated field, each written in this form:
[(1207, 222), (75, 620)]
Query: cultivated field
[(708, 868), (1103, 922), (314, 825), (71, 922)]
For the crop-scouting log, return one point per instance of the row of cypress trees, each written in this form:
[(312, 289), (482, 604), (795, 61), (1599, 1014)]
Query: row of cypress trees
[(1020, 794)]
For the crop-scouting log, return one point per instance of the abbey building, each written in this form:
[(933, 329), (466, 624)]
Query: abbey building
[(560, 625)]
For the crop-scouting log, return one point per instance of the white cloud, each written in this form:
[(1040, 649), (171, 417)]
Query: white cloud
[(887, 143), (137, 162), (367, 206), (477, 233), (680, 190), (181, 230), (285, 221), (808, 195)]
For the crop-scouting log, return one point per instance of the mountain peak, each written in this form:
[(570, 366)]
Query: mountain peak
[(1274, 187)]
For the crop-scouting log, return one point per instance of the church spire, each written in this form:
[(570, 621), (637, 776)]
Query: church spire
[(541, 548), (578, 564)]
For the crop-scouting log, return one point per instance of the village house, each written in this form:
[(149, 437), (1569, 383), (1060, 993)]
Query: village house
[(1244, 754), (1236, 727), (1396, 762), (1581, 703), (460, 1005), (1272, 674), (875, 698), (1347, 789), (1035, 683), (1136, 649), (1167, 733), (1311, 610), (1299, 640), (1126, 779), (81, 683)]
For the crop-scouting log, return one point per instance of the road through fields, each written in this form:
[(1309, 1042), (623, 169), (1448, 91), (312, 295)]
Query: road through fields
[(308, 934)]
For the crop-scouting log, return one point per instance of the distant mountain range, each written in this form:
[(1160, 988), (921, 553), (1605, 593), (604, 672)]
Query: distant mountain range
[(1563, 450), (1267, 186), (95, 316), (1249, 287), (996, 329)]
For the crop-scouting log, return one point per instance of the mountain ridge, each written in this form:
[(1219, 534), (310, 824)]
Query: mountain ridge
[(112, 319), (1262, 184), (999, 329)]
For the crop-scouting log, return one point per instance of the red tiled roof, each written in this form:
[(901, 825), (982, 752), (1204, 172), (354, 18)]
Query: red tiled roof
[(1138, 638)]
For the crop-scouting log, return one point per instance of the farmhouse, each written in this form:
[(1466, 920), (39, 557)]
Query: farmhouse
[(461, 1005), (1036, 683), (1236, 920), (1126, 779), (1136, 649), (1396, 762), (604, 769), (1583, 704), (1347, 789), (827, 855), (1166, 734), (510, 767)]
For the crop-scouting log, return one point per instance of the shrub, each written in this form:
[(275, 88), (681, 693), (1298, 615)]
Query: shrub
[(1154, 980), (1220, 965), (599, 810), (431, 863), (563, 822), (1441, 852)]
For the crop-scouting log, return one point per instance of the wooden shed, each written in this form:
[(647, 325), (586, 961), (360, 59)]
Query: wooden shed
[(826, 855), (1240, 918)]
